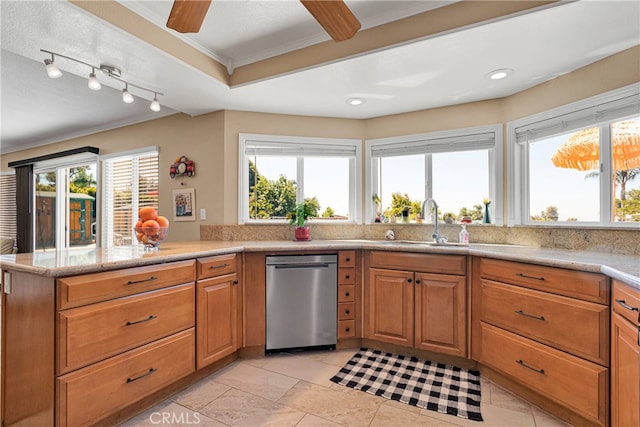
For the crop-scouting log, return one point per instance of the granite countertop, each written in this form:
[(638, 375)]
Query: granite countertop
[(88, 260)]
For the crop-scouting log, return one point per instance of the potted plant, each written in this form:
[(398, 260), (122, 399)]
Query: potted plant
[(299, 217), (449, 217)]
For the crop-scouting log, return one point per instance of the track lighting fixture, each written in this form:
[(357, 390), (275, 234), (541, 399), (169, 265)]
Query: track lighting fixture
[(94, 84), (52, 70), (155, 105), (127, 98)]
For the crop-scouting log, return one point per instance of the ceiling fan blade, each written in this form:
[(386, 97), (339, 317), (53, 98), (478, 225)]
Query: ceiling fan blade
[(335, 17), (187, 15)]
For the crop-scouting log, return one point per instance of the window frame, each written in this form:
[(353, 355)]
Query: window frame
[(355, 172), (8, 220), (105, 201), (462, 135), (584, 113)]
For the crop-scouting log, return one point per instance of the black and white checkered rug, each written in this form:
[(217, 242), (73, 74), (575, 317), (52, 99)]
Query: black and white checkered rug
[(428, 385)]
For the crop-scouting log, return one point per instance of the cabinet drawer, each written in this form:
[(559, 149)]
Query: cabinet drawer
[(89, 288), (347, 259), (216, 266), (579, 327), (346, 329), (92, 393), (346, 276), (576, 383), (626, 302), (346, 310), (587, 286), (346, 293), (427, 263), (98, 331)]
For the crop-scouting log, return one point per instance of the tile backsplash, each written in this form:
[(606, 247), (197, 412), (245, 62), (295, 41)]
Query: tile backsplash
[(616, 241)]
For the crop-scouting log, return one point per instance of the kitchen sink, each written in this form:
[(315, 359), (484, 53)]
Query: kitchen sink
[(421, 242)]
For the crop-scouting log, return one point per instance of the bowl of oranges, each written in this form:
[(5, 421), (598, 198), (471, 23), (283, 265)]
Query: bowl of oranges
[(151, 228)]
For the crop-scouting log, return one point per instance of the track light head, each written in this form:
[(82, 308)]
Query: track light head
[(155, 104), (127, 98), (52, 70), (94, 83)]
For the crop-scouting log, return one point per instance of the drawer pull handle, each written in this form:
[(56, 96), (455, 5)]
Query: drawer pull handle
[(346, 294), (533, 316), (146, 374), (347, 259), (529, 277), (150, 279), (347, 276), (625, 305), (142, 321), (522, 363), (212, 267), (347, 311), (347, 329)]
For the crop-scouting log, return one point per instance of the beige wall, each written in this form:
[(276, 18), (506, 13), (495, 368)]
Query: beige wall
[(211, 140)]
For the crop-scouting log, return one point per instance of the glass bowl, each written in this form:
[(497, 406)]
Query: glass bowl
[(151, 237)]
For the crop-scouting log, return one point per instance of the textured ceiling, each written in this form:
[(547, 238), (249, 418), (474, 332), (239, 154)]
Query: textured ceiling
[(438, 70)]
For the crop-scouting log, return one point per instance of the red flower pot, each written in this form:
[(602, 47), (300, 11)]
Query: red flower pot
[(302, 233)]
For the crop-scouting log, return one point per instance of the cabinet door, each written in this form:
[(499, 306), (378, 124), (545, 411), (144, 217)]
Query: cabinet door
[(625, 373), (440, 321), (217, 326), (390, 306)]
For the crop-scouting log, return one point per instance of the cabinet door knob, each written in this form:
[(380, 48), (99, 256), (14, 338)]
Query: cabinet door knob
[(347, 329), (417, 281), (409, 280), (347, 259), (235, 283)]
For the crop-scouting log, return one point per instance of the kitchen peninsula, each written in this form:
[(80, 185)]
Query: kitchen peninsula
[(54, 300)]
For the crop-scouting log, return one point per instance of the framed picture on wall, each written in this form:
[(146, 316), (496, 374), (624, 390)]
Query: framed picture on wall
[(184, 205)]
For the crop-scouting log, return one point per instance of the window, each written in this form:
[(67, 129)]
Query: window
[(278, 172), (8, 205), (129, 182), (579, 164), (456, 168)]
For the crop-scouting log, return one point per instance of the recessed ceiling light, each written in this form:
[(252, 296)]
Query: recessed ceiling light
[(355, 101), (499, 74)]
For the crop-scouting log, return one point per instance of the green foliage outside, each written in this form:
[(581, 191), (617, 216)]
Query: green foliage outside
[(275, 198), (80, 181)]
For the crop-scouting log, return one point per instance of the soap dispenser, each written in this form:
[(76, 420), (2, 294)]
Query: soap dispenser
[(464, 235)]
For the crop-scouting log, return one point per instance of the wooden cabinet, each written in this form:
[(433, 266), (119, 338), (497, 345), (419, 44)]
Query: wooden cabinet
[(546, 328), (218, 308), (122, 339), (625, 356), (417, 300), (348, 295)]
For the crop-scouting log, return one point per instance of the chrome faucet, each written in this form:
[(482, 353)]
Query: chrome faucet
[(436, 233)]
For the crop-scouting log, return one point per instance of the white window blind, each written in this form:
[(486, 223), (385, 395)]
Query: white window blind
[(129, 182), (8, 206), (435, 144), (585, 117), (295, 149)]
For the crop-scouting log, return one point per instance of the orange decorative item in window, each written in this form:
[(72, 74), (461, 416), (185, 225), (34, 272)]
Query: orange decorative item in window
[(151, 228)]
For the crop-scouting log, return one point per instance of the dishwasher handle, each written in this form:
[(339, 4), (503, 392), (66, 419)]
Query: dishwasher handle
[(301, 266)]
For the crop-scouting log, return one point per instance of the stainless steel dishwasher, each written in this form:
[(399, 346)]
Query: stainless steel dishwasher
[(302, 297)]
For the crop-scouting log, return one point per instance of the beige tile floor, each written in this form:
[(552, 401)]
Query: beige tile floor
[(294, 390)]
